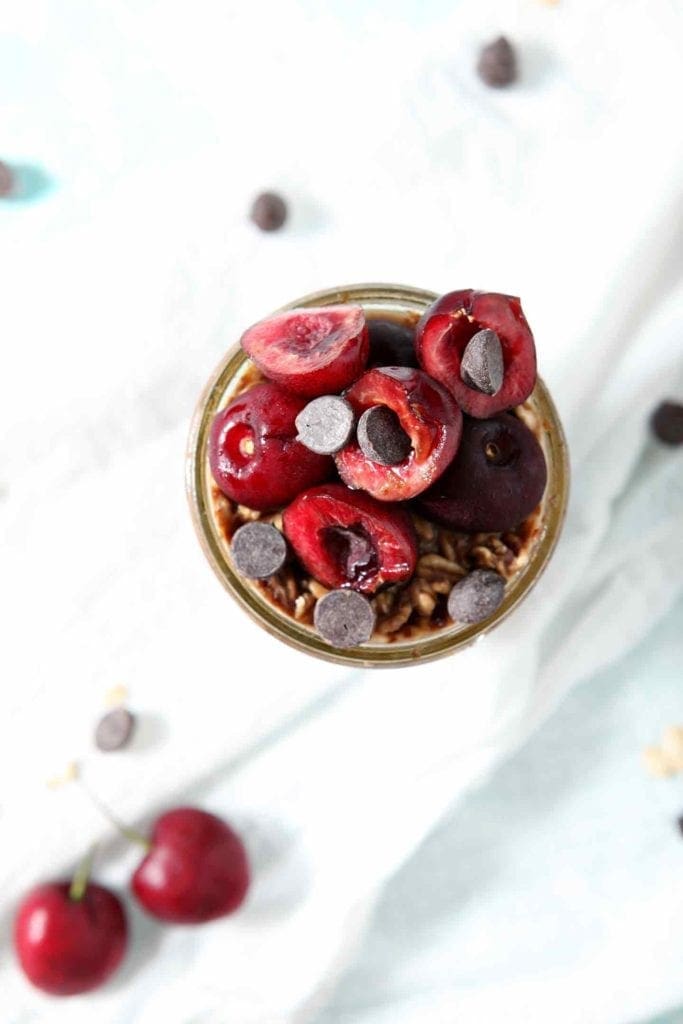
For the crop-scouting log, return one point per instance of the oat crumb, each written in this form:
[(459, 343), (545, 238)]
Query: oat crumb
[(656, 763), (116, 695), (672, 746), (70, 774)]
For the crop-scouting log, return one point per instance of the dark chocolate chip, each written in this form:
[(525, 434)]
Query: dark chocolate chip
[(391, 344), (114, 729), (6, 180), (344, 618), (481, 366), (667, 423), (476, 597), (269, 211), (497, 65), (680, 824), (258, 550), (326, 424), (381, 436)]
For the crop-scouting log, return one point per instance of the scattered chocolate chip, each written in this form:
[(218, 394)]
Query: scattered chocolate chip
[(391, 344), (476, 596), (6, 180), (667, 423), (326, 424), (680, 824), (381, 436), (259, 550), (481, 366), (114, 729), (344, 618), (269, 211), (497, 65)]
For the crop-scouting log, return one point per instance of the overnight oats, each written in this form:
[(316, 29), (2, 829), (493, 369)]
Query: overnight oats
[(376, 474)]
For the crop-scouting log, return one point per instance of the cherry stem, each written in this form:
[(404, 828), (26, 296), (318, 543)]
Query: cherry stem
[(79, 882), (131, 834)]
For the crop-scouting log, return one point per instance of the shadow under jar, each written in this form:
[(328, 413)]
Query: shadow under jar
[(520, 556)]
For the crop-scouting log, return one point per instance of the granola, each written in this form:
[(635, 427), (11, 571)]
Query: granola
[(407, 610)]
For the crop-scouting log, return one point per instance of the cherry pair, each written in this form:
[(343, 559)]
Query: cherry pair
[(70, 936)]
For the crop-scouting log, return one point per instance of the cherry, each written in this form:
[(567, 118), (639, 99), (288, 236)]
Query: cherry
[(391, 343), (196, 869), (345, 538), (317, 351), (445, 330), (429, 416), (70, 936), (495, 481), (254, 453)]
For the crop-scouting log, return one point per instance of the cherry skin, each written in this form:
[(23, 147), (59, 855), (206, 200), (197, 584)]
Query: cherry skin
[(495, 481), (254, 453), (391, 343), (67, 946), (195, 871)]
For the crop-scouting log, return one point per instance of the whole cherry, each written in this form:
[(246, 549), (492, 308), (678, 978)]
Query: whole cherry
[(195, 870), (70, 936)]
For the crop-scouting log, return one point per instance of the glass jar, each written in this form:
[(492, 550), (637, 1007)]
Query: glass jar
[(394, 302)]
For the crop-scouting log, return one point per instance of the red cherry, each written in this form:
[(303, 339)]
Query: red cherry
[(196, 869), (311, 352), (427, 413), (446, 328), (69, 945), (345, 538), (253, 451)]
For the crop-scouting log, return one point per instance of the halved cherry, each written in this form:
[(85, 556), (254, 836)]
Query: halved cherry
[(346, 539), (447, 327), (254, 455), (317, 351), (427, 413), (495, 481)]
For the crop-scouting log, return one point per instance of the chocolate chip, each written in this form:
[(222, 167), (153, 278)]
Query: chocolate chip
[(381, 436), (258, 550), (680, 824), (497, 65), (476, 597), (344, 618), (6, 180), (481, 366), (326, 424), (114, 729), (667, 423), (269, 211)]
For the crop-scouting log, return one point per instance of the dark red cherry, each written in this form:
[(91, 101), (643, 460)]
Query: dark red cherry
[(254, 453), (70, 944), (196, 869), (345, 538), (445, 331), (495, 481), (429, 416)]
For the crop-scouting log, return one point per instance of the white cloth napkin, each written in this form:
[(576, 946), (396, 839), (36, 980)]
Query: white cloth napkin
[(122, 288)]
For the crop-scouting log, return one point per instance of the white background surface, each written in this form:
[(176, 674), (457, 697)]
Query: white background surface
[(123, 287)]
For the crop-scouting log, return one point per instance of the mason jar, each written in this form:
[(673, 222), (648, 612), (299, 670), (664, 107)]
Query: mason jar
[(236, 371)]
